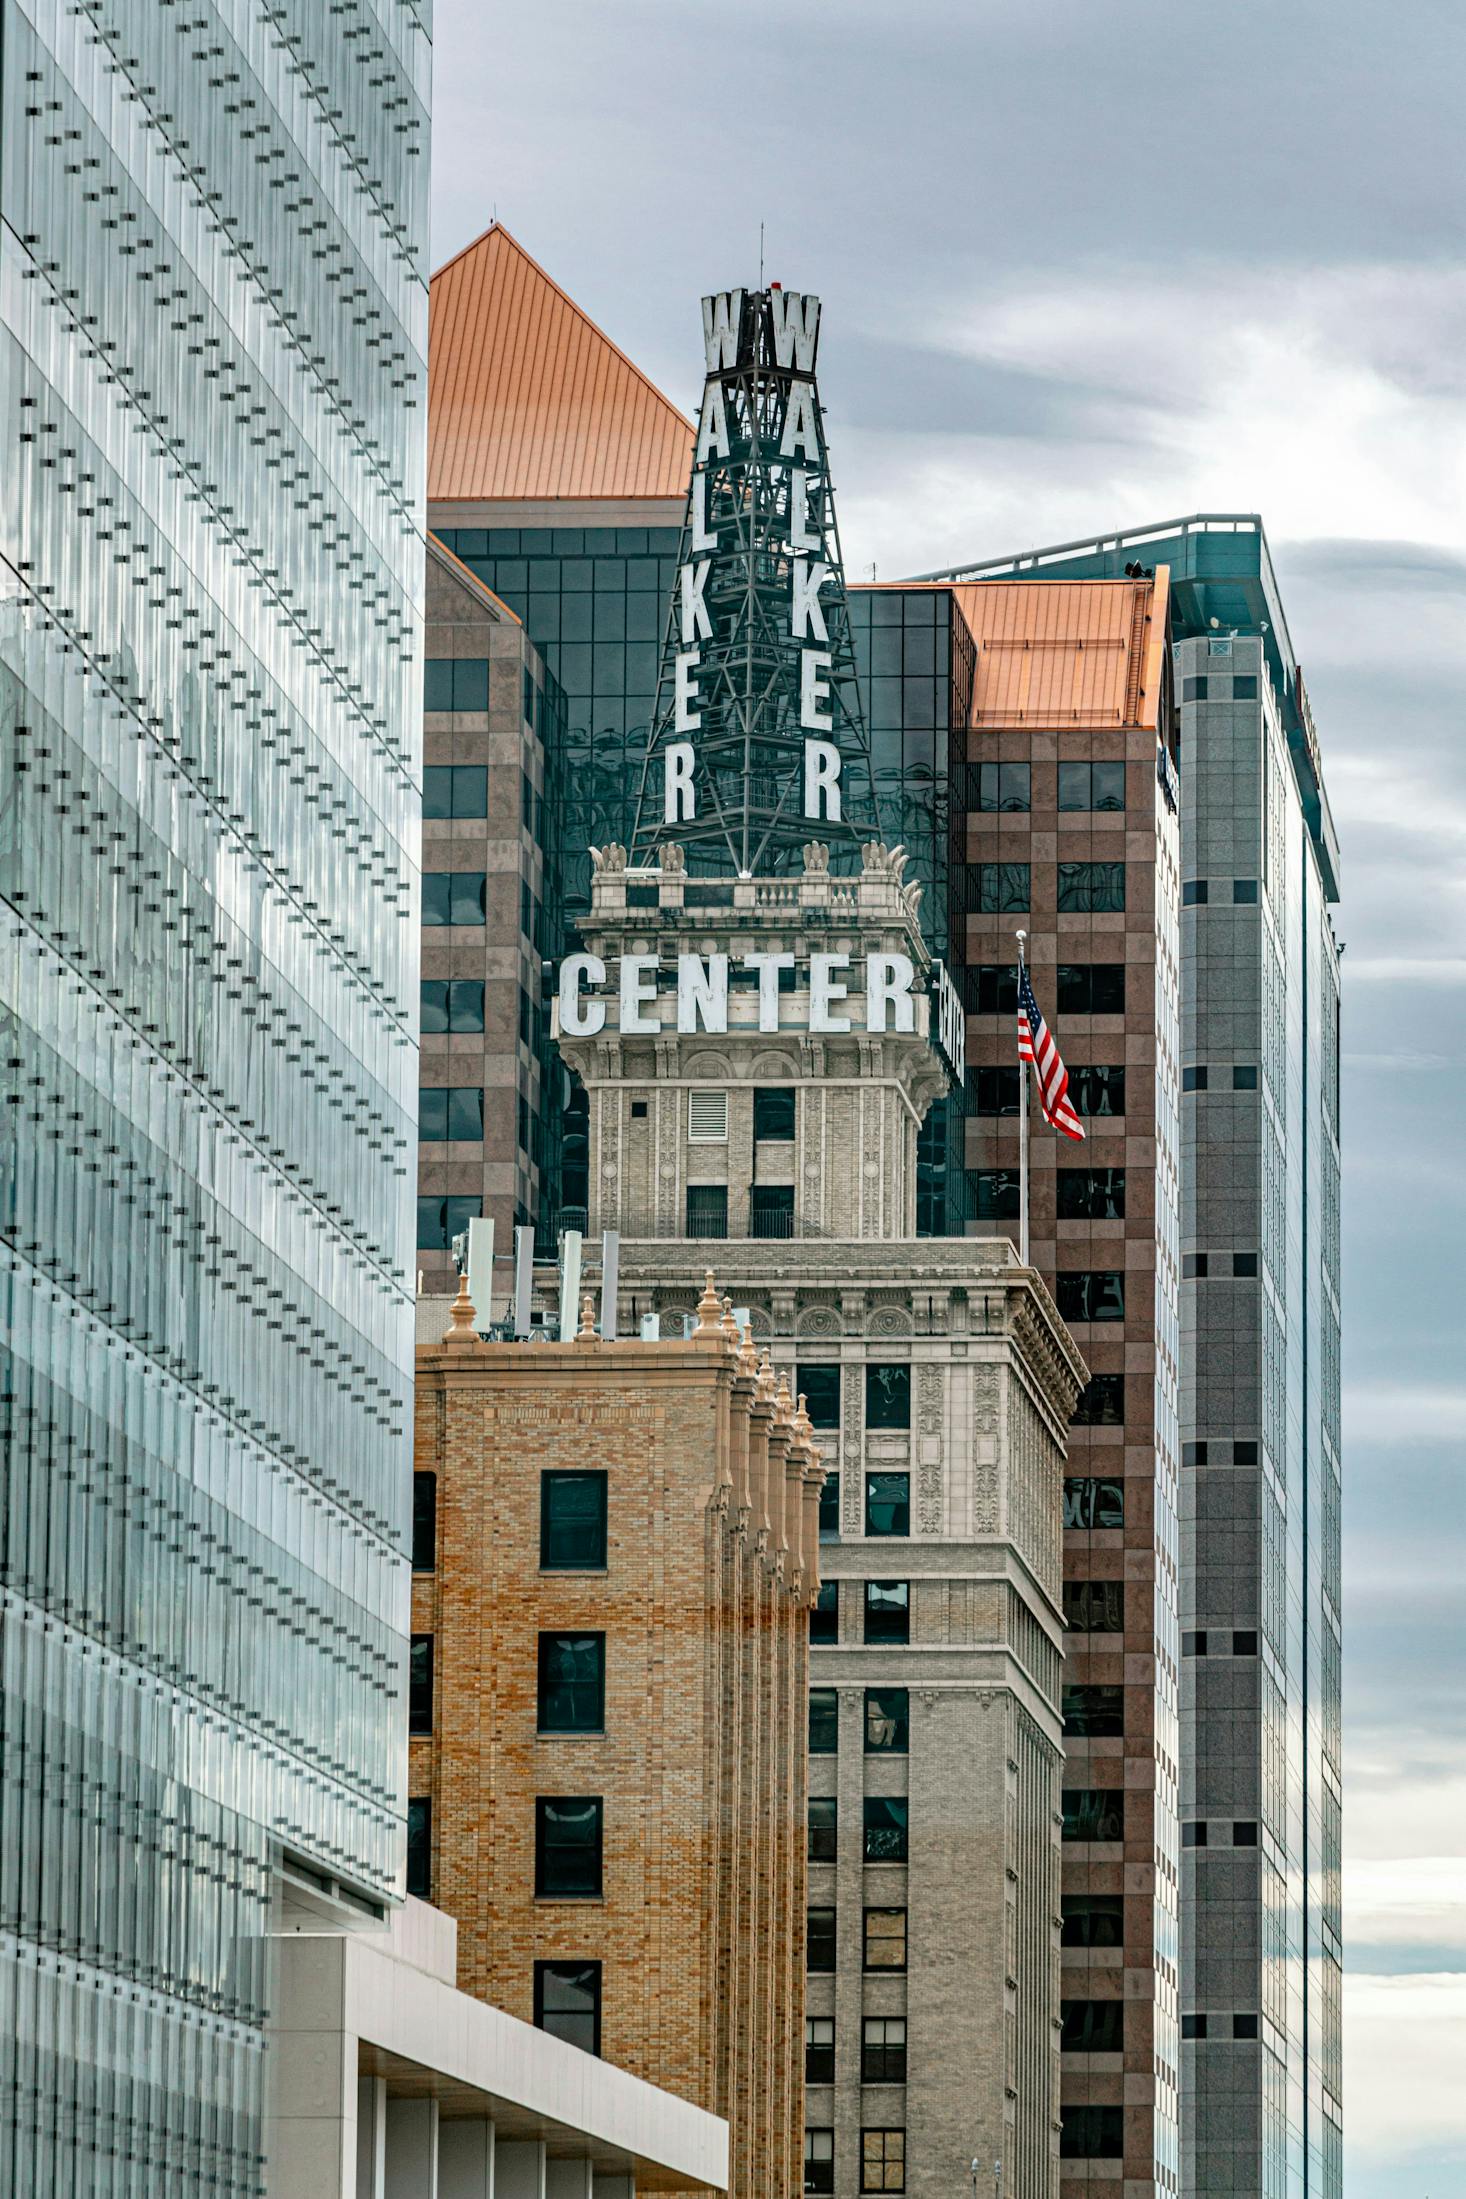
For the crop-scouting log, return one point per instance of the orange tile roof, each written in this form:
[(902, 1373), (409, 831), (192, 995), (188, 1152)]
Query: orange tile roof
[(1067, 652), (528, 399)]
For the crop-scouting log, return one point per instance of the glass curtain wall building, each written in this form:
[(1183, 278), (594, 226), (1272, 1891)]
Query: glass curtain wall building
[(212, 226)]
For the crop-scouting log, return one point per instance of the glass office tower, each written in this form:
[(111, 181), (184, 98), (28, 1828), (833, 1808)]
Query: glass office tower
[(1261, 1766), (211, 384)]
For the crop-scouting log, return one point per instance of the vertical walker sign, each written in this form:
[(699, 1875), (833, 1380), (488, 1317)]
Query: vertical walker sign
[(758, 741)]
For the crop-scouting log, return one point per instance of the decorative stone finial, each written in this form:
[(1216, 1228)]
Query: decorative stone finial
[(766, 1385), (587, 1333), (463, 1317), (709, 1309), (728, 1325), (747, 1355), (803, 1425), (783, 1402)]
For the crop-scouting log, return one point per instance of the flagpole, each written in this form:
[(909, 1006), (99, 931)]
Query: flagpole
[(1022, 1134)]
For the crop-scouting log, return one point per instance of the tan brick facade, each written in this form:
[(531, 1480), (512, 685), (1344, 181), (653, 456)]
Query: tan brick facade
[(711, 1561)]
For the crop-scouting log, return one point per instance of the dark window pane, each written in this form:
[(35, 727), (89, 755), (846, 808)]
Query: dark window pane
[(773, 1112), (469, 897), (887, 1721), (465, 1005), (885, 1939), (823, 1828), (439, 1221), (1244, 1077), (820, 1939), (888, 1504), (830, 1509), (1090, 1194), (433, 1006), (1095, 1607), (420, 1847), (888, 1396), (1108, 786), (1094, 1711), (470, 683), (996, 889), (824, 1721), (819, 2051), (991, 989), (420, 1684), (1094, 2133), (994, 1091), (1194, 1079), (771, 1210), (567, 2002), (1087, 887), (572, 1683), (1101, 1402), (883, 2050), (437, 790), (437, 683), (435, 896), (572, 1522), (885, 1828), (1244, 687), (470, 794), (424, 1522), (1094, 1813), (1095, 1091), (819, 2160), (1092, 2027), (1074, 786), (888, 1611), (707, 1210), (1194, 689), (1091, 1503), (819, 1384), (465, 1113), (824, 1616), (567, 1846), (432, 1114), (1090, 1294), (995, 1194), (1093, 1920)]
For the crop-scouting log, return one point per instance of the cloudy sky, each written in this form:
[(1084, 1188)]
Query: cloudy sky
[(1089, 264)]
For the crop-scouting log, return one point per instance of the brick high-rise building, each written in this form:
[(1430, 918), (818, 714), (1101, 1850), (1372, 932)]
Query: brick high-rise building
[(617, 1551)]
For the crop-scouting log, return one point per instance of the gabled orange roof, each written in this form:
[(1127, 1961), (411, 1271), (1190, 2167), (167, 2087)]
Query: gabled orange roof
[(528, 399), (1066, 652)]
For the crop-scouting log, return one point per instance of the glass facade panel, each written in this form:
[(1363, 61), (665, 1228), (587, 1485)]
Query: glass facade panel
[(208, 816)]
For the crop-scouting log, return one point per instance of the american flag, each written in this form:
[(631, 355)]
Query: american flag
[(1036, 1044)]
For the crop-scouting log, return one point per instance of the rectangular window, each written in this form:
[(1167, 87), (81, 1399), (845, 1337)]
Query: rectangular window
[(998, 889), (885, 1828), (707, 1118), (707, 1210), (994, 1091), (1095, 2133), (1094, 1813), (887, 1721), (1091, 888), (1092, 785), (888, 1611), (1095, 1607), (820, 1387), (454, 897), (1092, 2027), (888, 1504), (1090, 1194), (451, 1114), (824, 1616), (824, 1721), (888, 1395), (567, 2002), (1244, 1076), (1194, 893), (1090, 1294), (572, 1683), (1194, 1079), (824, 1813), (1244, 687), (771, 1210), (995, 1194), (1089, 989), (420, 1847), (1095, 1091), (1194, 689), (883, 2160), (773, 1114), (885, 1939), (830, 1508), (819, 1940), (420, 1684), (1093, 1920), (819, 2050), (998, 786), (1244, 892), (455, 790), (1093, 1712), (450, 1004), (819, 2160), (572, 1522), (1101, 1403), (1193, 2027), (1090, 1503), (455, 683), (991, 989), (567, 1847), (883, 2050), (439, 1221), (424, 1522)]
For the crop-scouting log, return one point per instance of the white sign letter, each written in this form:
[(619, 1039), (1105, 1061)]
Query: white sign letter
[(712, 432), (796, 318), (800, 535), (801, 436), (581, 1018), (824, 990), (679, 803), (888, 982), (638, 991), (768, 967), (686, 715), (696, 625), (805, 615), (722, 319), (704, 537), (702, 992), (814, 691), (822, 780)]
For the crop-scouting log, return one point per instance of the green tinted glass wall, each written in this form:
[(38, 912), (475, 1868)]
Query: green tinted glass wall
[(212, 400)]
